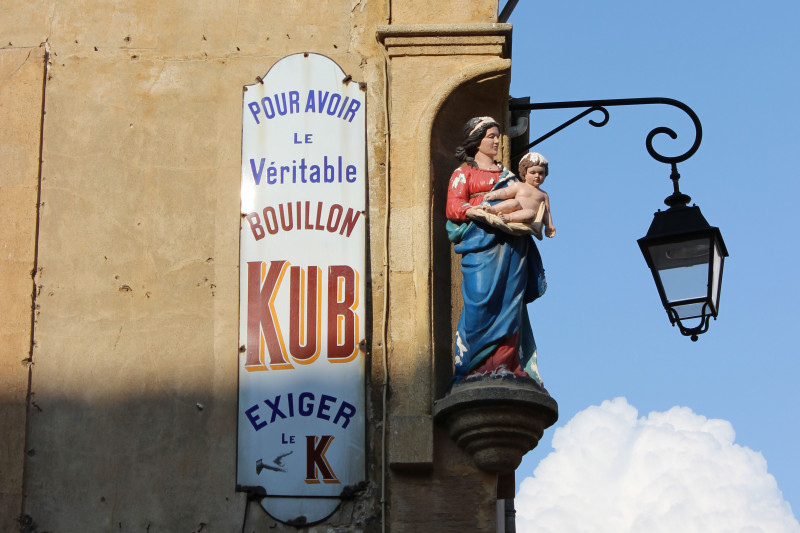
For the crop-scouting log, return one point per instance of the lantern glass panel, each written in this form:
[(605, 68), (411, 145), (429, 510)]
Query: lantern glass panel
[(683, 269), (715, 282)]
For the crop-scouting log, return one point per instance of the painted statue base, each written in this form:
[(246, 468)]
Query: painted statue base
[(496, 419)]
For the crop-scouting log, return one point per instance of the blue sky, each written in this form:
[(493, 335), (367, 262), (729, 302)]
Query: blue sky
[(600, 329)]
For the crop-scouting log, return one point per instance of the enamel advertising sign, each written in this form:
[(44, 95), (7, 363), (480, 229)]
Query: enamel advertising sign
[(301, 307)]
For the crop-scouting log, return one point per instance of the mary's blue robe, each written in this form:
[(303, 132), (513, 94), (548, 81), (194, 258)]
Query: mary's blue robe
[(502, 273)]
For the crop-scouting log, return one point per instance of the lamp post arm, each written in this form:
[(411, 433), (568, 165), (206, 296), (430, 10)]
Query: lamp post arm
[(678, 237), (601, 105)]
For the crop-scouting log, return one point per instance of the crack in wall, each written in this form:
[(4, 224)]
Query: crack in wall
[(36, 277)]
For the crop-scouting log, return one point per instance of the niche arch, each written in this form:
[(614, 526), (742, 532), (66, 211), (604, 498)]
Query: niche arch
[(478, 90)]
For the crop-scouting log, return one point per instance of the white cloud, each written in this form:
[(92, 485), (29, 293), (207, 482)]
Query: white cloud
[(676, 471)]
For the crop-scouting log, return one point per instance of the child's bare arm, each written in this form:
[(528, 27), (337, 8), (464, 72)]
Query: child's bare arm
[(550, 228), (501, 194)]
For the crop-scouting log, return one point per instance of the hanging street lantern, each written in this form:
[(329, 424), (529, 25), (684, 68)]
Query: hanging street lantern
[(684, 253)]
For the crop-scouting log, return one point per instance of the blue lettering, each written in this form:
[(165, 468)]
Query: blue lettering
[(254, 109), (271, 112), (305, 409), (274, 407), (351, 111), (327, 166), (257, 173), (314, 178), (341, 108), (322, 100), (254, 418), (333, 105), (346, 411), (310, 102), (332, 170), (294, 102), (281, 111), (324, 406)]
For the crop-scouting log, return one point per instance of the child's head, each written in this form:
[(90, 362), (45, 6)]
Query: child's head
[(532, 159)]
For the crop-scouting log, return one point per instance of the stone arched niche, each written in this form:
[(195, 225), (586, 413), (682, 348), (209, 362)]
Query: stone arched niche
[(482, 90), (495, 421)]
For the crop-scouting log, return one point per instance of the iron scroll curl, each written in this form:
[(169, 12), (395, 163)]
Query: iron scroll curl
[(601, 105)]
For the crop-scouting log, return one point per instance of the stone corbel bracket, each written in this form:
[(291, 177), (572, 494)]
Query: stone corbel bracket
[(496, 420), (446, 39)]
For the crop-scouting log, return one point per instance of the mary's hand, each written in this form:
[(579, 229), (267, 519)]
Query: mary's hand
[(473, 213)]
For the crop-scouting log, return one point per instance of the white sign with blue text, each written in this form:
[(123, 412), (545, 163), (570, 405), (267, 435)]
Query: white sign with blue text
[(301, 306)]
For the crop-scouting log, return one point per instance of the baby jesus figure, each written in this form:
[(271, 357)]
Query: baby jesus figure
[(524, 201)]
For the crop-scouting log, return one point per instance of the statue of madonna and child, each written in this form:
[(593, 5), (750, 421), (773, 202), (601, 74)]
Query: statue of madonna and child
[(492, 215)]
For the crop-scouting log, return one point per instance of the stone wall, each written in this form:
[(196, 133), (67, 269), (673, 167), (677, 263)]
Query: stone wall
[(21, 81), (131, 226)]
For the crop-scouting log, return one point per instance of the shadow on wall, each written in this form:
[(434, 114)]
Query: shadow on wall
[(162, 460)]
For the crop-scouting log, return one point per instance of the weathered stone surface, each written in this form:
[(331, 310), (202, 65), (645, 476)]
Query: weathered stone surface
[(447, 12), (496, 420), (139, 255), (21, 73), (137, 305), (411, 442), (454, 498), (428, 65)]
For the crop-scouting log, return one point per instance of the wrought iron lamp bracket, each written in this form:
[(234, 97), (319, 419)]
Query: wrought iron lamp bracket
[(591, 106), (677, 226)]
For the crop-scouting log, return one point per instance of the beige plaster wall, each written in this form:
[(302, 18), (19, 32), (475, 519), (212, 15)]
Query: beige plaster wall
[(21, 73), (134, 376), (444, 12), (132, 421)]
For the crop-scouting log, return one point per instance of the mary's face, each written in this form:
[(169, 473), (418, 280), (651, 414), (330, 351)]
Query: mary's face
[(490, 142)]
